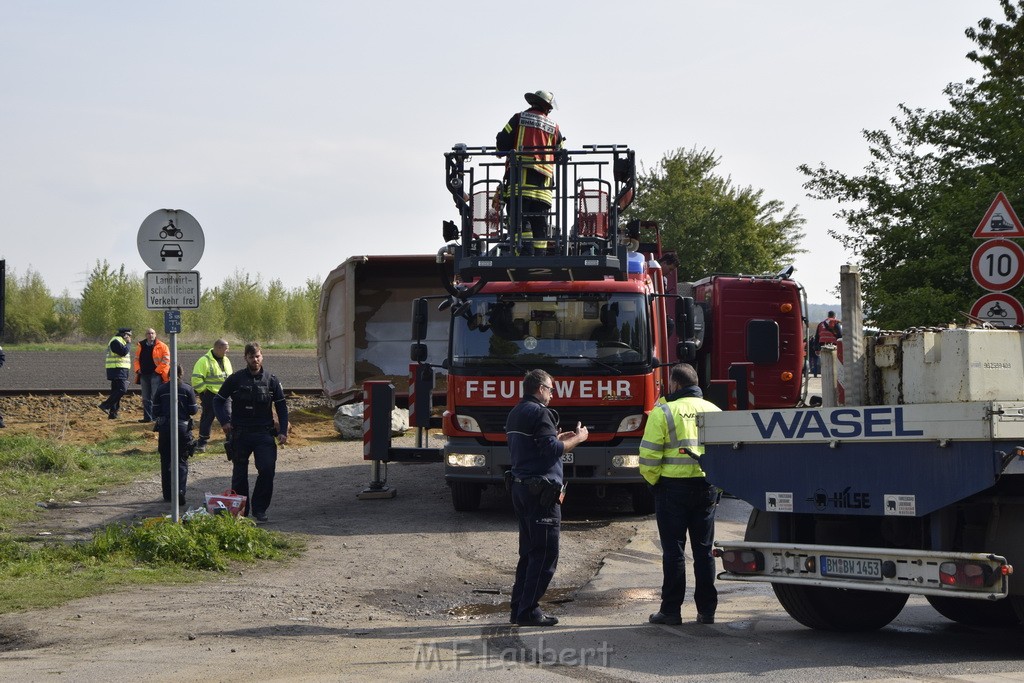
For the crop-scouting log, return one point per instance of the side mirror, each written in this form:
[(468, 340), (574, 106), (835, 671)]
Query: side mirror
[(686, 351), (418, 353), (419, 319)]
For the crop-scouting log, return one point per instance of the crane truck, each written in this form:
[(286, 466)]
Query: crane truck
[(914, 486), (601, 311)]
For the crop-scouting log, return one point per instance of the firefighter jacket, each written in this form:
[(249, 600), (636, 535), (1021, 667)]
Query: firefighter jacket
[(671, 428), (208, 374), (119, 360), (161, 360), (529, 129), (829, 331)]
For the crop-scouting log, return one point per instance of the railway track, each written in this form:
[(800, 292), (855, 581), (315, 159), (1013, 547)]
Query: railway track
[(302, 391)]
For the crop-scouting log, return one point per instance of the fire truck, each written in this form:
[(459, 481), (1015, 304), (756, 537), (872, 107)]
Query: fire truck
[(600, 310)]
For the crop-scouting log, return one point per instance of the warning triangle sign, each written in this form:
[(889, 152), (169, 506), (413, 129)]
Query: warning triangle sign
[(999, 221)]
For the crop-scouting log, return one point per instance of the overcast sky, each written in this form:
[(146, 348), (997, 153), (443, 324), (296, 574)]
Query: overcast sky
[(302, 133)]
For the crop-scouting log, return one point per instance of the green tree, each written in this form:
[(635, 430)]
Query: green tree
[(113, 299), (303, 308), (712, 225), (910, 214), (243, 299), (31, 314), (274, 311)]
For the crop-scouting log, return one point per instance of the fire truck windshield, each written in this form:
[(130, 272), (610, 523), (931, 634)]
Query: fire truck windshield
[(604, 329)]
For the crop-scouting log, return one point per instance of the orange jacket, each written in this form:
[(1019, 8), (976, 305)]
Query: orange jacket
[(161, 358)]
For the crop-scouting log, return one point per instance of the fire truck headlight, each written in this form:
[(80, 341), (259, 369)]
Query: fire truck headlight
[(466, 460), (631, 423), (467, 423), (626, 461)]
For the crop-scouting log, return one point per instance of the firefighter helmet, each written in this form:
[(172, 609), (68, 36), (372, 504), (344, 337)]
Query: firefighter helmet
[(542, 98)]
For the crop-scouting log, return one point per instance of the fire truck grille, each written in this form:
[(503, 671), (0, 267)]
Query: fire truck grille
[(597, 419)]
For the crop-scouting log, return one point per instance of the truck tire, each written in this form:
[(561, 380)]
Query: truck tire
[(839, 609), (975, 612), (643, 499), (466, 496)]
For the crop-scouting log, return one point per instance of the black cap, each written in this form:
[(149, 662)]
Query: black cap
[(122, 331)]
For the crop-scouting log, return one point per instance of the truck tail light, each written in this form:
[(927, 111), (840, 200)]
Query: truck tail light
[(741, 561), (966, 574)]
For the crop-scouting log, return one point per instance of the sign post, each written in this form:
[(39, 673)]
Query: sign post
[(171, 242)]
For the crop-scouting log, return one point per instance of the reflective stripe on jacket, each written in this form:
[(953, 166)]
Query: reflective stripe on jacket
[(524, 131), (161, 359), (116, 361), (672, 427), (208, 375)]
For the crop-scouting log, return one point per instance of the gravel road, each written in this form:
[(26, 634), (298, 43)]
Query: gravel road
[(27, 370)]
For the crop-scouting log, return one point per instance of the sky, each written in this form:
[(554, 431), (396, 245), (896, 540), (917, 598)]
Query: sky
[(301, 133)]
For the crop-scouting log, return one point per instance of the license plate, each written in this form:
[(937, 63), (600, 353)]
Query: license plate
[(567, 458), (851, 567)]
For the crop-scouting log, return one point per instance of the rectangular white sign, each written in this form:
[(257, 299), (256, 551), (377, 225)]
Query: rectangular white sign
[(172, 289)]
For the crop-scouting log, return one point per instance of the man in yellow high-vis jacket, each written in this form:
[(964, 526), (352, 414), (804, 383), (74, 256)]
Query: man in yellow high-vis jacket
[(684, 500)]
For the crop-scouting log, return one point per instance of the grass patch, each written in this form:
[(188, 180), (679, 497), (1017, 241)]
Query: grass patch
[(154, 551), (36, 470)]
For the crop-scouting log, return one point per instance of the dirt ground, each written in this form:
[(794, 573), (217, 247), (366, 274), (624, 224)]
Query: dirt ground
[(371, 568)]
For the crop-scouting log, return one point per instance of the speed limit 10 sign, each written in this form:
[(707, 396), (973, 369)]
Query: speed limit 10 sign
[(998, 265)]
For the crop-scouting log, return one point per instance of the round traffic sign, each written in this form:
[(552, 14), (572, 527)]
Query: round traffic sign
[(998, 265), (171, 239), (1002, 310)]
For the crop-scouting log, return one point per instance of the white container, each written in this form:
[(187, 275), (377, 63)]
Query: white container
[(951, 366)]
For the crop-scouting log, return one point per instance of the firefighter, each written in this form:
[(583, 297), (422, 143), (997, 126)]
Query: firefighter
[(829, 331), (526, 132), (118, 363), (536, 449), (208, 374), (684, 500)]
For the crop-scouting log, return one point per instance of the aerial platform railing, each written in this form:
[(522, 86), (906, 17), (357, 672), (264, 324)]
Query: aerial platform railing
[(590, 187)]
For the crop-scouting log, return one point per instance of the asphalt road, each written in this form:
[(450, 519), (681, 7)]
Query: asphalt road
[(28, 370)]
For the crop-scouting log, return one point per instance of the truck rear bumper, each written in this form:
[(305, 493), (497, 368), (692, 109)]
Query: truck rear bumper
[(981, 576)]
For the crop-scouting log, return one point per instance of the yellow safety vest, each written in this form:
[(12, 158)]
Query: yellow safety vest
[(207, 375), (672, 427), (115, 361)]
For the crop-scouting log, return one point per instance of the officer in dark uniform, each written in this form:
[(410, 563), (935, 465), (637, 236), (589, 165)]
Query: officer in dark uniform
[(536, 449), (248, 424), (118, 363), (187, 407)]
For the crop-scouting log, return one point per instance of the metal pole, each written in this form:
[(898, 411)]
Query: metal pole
[(173, 426), (853, 340)]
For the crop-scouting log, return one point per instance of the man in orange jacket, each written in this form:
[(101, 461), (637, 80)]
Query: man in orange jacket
[(152, 368)]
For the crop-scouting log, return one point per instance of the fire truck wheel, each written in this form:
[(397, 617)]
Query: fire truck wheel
[(643, 499), (839, 609), (466, 496), (975, 612)]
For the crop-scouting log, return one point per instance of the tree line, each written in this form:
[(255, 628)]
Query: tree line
[(240, 308)]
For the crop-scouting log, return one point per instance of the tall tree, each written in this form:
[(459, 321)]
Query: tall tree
[(714, 226), (910, 214), (31, 310)]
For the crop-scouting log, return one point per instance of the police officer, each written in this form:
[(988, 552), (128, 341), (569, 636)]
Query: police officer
[(118, 364), (533, 131), (187, 407), (536, 449), (208, 374), (684, 500), (248, 423)]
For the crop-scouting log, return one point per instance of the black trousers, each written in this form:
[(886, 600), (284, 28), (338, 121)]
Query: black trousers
[(207, 416), (263, 447), (118, 388), (164, 445), (539, 532), (686, 506)]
